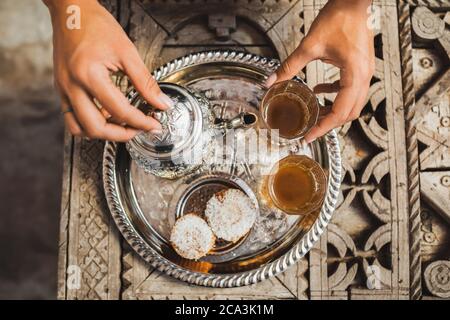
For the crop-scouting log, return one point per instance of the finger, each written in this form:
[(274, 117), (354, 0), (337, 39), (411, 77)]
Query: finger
[(144, 82), (292, 65), (117, 105), (93, 122), (364, 86), (72, 124), (360, 103), (157, 129), (69, 119), (327, 87), (105, 113), (343, 105)]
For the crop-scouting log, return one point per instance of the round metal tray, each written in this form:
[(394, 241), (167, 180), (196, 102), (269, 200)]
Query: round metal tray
[(145, 207)]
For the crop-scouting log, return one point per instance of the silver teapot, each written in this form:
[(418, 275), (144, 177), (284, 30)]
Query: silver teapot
[(187, 131)]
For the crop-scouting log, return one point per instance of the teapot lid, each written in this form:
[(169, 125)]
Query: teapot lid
[(181, 125)]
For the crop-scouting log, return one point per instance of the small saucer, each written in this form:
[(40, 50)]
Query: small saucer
[(193, 199)]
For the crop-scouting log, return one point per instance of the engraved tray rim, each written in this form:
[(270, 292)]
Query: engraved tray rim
[(292, 256)]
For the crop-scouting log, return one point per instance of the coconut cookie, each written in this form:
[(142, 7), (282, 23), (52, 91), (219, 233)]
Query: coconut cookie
[(231, 214), (191, 237)]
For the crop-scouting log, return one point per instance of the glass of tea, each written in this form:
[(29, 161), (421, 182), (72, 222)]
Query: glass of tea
[(291, 108), (297, 185)]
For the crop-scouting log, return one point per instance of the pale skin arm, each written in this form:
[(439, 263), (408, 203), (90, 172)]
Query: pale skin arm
[(339, 36), (83, 61)]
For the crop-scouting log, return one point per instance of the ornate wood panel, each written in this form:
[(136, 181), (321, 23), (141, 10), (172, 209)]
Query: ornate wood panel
[(425, 47), (369, 238), (390, 236)]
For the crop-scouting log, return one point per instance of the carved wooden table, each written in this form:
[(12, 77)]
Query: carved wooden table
[(390, 237)]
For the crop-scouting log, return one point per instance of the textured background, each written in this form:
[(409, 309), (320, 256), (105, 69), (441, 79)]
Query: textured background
[(31, 140), (31, 164)]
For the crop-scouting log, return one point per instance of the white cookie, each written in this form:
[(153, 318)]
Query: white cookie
[(191, 237), (231, 214)]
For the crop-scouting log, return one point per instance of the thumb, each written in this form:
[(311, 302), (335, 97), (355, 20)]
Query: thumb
[(292, 65)]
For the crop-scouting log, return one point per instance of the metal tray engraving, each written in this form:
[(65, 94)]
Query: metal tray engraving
[(145, 206)]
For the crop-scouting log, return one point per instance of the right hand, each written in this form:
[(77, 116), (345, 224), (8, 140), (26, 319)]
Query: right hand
[(83, 61), (339, 36)]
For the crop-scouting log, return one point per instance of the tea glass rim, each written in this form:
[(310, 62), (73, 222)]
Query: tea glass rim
[(313, 98), (309, 207)]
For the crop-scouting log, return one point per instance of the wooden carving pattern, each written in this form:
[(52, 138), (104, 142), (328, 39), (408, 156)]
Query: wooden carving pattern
[(437, 278), (89, 245), (367, 240), (433, 108), (389, 237), (426, 92), (143, 282), (427, 3), (93, 232), (412, 150), (93, 240)]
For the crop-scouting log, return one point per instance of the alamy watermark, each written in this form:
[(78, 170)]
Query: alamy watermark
[(373, 273), (73, 21), (73, 277), (374, 19)]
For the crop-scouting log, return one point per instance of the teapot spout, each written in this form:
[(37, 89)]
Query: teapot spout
[(242, 120)]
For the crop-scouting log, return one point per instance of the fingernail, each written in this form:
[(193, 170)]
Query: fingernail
[(270, 80), (164, 99), (156, 131)]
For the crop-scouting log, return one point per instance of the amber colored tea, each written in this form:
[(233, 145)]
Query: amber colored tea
[(293, 186), (297, 185), (287, 113)]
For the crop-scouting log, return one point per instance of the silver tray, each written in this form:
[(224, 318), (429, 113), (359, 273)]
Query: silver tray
[(144, 206)]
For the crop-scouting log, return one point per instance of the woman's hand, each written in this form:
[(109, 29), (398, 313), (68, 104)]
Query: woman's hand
[(339, 36), (83, 61)]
